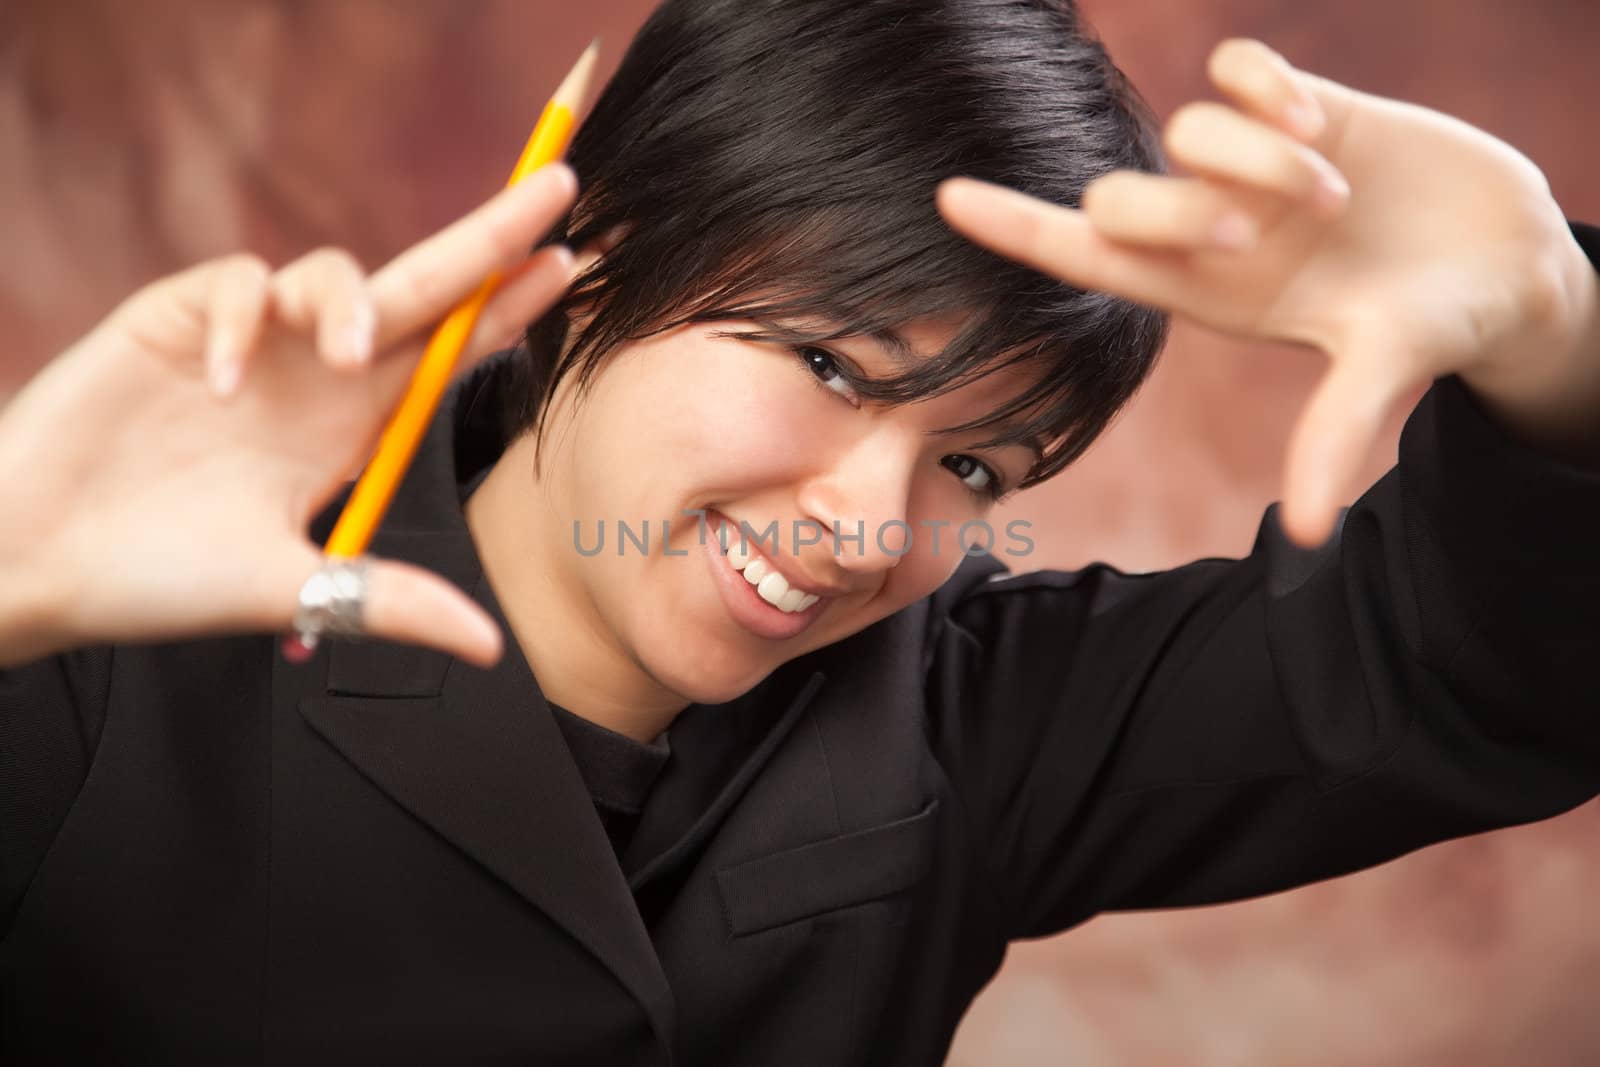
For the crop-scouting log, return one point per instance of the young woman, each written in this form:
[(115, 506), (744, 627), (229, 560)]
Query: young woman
[(785, 799)]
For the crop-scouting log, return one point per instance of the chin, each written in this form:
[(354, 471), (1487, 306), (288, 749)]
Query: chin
[(704, 671)]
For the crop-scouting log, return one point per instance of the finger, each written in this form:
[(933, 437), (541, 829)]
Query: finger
[(173, 310), (206, 311), (413, 606), (1218, 142), (526, 293), (594, 251), (1264, 85), (1063, 243), (409, 605), (1155, 211), (1330, 445), (423, 283), (239, 291), (325, 292)]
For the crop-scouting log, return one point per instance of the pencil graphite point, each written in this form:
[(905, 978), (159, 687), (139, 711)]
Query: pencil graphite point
[(375, 489), (575, 87)]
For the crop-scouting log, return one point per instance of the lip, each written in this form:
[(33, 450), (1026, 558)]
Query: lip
[(742, 600)]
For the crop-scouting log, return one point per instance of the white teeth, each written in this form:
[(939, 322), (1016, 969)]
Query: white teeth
[(773, 588), (770, 585)]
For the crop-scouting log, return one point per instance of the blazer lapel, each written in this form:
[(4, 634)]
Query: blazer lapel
[(703, 727), (477, 757)]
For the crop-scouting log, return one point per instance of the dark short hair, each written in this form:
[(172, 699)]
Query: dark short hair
[(776, 161)]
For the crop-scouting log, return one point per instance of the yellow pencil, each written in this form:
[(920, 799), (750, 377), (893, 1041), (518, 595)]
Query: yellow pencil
[(376, 488)]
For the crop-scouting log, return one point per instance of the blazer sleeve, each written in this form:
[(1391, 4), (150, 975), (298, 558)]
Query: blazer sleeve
[(51, 713), (1238, 727)]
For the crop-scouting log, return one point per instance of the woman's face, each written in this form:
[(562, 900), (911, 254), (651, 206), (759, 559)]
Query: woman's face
[(689, 423)]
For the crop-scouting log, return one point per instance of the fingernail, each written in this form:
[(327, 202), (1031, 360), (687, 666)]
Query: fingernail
[(1234, 232), (358, 333), (224, 377), (959, 193), (298, 648), (577, 265), (1304, 120), (561, 175), (1332, 190), (216, 359)]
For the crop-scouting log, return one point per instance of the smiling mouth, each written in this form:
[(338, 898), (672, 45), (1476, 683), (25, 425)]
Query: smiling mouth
[(769, 583)]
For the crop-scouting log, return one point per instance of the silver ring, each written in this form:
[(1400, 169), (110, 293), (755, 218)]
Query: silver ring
[(333, 600)]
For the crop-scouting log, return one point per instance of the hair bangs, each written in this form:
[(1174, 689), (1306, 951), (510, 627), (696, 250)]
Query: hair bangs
[(775, 163)]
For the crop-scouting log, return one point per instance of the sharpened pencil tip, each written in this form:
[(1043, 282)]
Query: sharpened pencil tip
[(575, 88)]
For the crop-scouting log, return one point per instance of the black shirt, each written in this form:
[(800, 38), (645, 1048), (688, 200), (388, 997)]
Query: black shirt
[(618, 771), (382, 858)]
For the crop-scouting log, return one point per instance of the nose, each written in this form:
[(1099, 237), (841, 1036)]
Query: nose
[(861, 499)]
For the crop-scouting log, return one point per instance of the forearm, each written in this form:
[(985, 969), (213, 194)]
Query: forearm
[(1550, 399)]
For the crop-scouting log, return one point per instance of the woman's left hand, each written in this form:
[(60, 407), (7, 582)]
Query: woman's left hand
[(1449, 256)]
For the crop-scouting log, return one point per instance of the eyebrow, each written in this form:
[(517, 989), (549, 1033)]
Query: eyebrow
[(901, 354), (905, 358), (1031, 443)]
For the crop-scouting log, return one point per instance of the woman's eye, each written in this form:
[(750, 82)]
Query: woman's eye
[(975, 475), (824, 368)]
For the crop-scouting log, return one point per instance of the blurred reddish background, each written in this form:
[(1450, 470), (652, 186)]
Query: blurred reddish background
[(138, 138)]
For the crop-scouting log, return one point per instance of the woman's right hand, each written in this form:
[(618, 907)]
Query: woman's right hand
[(158, 478)]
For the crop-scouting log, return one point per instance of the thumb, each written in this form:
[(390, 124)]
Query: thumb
[(1331, 443), (410, 605)]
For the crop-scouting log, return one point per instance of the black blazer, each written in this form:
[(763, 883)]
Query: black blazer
[(389, 857)]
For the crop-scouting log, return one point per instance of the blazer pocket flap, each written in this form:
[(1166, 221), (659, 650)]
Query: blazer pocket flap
[(827, 875)]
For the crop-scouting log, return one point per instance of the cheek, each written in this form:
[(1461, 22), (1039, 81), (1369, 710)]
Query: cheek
[(923, 570), (714, 422), (918, 574)]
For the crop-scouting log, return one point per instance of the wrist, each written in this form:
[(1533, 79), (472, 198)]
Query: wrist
[(1545, 387), (33, 617), (1588, 346)]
